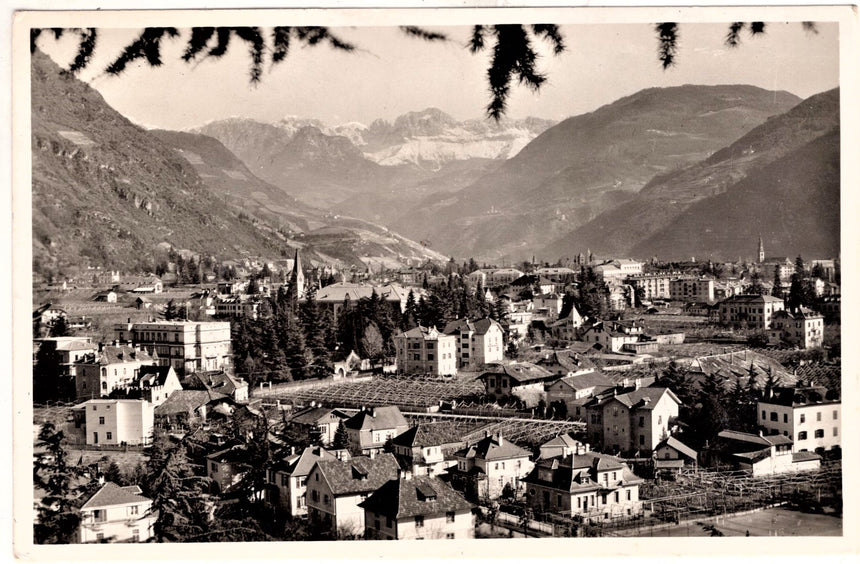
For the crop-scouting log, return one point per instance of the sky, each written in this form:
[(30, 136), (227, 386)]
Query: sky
[(391, 73)]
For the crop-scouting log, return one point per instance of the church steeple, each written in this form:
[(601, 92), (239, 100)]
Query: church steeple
[(297, 277), (760, 250)]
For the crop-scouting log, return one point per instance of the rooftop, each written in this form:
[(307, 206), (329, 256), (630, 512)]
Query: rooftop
[(111, 494), (420, 495), (360, 474)]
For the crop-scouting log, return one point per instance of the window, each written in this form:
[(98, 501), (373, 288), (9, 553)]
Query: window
[(109, 436), (135, 535), (835, 414), (641, 439), (285, 480), (558, 500), (101, 420), (628, 495), (617, 497), (641, 421), (133, 510), (785, 417), (100, 515), (325, 499), (449, 517), (430, 356), (659, 420), (803, 418), (801, 436), (764, 415), (836, 431), (774, 416), (214, 467), (603, 499), (819, 433), (419, 521), (315, 495), (104, 387), (818, 416), (100, 537), (449, 535)]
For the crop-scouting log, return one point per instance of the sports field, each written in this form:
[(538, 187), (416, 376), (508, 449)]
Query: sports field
[(780, 522)]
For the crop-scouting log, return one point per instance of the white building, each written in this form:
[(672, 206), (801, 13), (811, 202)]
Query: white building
[(426, 351), (477, 342), (188, 346), (802, 328), (117, 421), (806, 414), (116, 514)]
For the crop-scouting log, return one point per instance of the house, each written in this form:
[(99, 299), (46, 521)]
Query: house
[(219, 381), (477, 342), (68, 351), (568, 361), (142, 302), (188, 346), (611, 336), (288, 478), (117, 514), (226, 468), (591, 486), (117, 421), (417, 507), (486, 467), (576, 390), (548, 305), (426, 351), (427, 449), (336, 487), (369, 429), (805, 413), (567, 328), (154, 384), (750, 310), (536, 282), (522, 380), (187, 407), (672, 455), (692, 289), (561, 446), (234, 306), (319, 423), (631, 420), (763, 456), (802, 328), (108, 297)]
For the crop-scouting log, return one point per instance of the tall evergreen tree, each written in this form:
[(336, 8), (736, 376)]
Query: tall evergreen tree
[(57, 477), (777, 283), (341, 437)]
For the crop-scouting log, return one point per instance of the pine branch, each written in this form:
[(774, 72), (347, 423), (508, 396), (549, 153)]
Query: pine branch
[(422, 33), (733, 38), (198, 41), (280, 43), (147, 45), (667, 34)]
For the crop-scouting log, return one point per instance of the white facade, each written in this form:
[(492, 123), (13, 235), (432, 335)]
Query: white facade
[(118, 421), (422, 350), (811, 427)]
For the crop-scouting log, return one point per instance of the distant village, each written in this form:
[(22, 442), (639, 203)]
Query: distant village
[(252, 400)]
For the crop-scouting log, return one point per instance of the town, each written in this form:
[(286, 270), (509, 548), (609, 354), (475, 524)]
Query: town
[(268, 399)]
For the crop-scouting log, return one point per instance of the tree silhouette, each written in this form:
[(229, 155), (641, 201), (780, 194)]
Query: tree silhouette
[(512, 45)]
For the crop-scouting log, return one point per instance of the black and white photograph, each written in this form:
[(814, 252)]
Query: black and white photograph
[(427, 274)]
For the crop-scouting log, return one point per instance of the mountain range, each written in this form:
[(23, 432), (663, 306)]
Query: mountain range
[(334, 167), (587, 165), (107, 192), (719, 206)]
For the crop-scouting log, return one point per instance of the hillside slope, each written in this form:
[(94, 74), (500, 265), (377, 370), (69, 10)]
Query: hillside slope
[(665, 197)]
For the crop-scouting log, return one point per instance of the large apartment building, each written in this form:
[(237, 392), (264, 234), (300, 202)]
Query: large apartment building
[(187, 346)]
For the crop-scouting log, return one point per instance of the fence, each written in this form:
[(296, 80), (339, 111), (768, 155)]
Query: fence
[(532, 525)]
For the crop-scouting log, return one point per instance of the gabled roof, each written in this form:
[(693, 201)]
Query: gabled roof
[(579, 472), (118, 354), (642, 398), (674, 443), (233, 454), (493, 448), (154, 375), (360, 474), (420, 495), (186, 401), (301, 464), (313, 415), (769, 440), (797, 396), (587, 380), (111, 494), (561, 441), (386, 417), (752, 299), (216, 381)]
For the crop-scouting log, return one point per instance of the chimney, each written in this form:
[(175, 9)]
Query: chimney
[(626, 382), (500, 439), (373, 412), (638, 383)]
